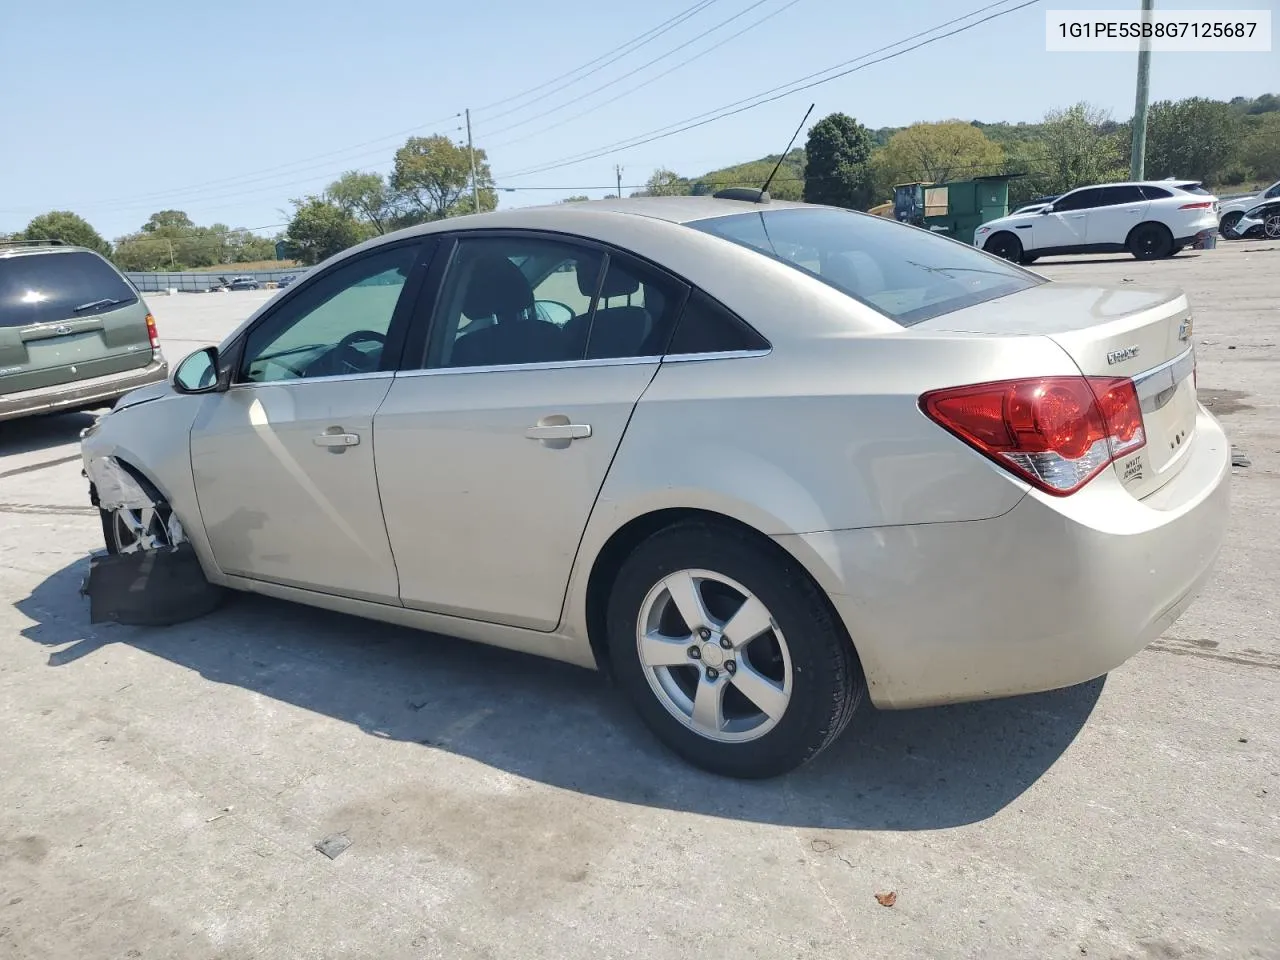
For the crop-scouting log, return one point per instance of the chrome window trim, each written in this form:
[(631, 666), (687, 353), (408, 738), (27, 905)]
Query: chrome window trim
[(335, 378), (1155, 387), (597, 362)]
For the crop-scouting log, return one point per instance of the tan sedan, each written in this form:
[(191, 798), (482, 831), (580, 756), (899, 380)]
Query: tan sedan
[(757, 460)]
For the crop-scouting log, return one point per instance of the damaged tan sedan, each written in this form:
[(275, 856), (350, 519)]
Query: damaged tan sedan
[(757, 460)]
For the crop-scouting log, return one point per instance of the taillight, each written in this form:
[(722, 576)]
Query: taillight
[(152, 335), (1057, 433), (1202, 205)]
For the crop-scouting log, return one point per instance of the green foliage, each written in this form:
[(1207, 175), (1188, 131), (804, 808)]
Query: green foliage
[(837, 167), (1076, 146), (432, 176), (68, 227), (1262, 145), (169, 240), (1194, 138), (366, 197), (163, 220), (576, 198), (935, 153), (665, 183), (787, 185), (320, 228)]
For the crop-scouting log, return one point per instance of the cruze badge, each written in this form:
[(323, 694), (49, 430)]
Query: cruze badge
[(1119, 356), (1184, 331)]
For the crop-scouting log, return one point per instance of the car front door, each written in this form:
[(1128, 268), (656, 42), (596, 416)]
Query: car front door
[(491, 454), (284, 459), (1117, 211), (1065, 224)]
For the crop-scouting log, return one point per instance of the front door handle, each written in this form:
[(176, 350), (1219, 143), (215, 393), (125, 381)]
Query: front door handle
[(559, 431), (336, 441)]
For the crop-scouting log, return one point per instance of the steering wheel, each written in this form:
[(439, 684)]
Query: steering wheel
[(347, 359)]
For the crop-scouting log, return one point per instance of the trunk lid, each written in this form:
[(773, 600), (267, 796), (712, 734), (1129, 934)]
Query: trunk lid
[(67, 315), (1145, 335)]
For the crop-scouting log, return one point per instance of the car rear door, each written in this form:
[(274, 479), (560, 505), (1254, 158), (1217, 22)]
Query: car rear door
[(492, 451), (67, 315), (1117, 211)]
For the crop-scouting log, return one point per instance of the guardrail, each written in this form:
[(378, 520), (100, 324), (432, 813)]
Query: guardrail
[(191, 281)]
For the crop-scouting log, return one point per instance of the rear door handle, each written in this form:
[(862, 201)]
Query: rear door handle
[(340, 440), (559, 431)]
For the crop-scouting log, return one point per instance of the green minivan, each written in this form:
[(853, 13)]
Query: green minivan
[(74, 332)]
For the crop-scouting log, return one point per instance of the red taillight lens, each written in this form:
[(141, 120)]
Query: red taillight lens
[(152, 335), (1202, 205), (1058, 433)]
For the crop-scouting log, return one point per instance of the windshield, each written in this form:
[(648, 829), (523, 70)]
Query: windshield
[(49, 287), (903, 272)]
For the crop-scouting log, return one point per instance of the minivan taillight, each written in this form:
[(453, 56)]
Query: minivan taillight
[(1057, 433), (152, 335)]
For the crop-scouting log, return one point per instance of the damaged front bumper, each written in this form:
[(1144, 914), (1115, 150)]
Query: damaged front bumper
[(117, 490)]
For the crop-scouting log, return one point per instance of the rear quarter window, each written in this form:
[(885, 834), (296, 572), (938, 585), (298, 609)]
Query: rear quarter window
[(905, 273), (50, 287)]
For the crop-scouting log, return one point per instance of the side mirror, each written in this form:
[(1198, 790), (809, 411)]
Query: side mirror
[(1047, 210), (552, 311), (199, 373)]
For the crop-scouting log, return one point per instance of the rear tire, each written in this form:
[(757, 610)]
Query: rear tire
[(1271, 226), (776, 693), (1150, 241), (1006, 246)]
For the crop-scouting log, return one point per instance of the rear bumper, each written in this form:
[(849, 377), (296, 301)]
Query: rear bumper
[(1055, 592), (80, 394)]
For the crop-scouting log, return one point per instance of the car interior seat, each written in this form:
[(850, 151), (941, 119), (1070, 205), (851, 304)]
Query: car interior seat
[(496, 288)]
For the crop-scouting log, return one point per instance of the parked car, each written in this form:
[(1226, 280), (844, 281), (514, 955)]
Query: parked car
[(1149, 220), (1260, 221), (755, 486), (74, 332), (286, 280), (1231, 209), (243, 283)]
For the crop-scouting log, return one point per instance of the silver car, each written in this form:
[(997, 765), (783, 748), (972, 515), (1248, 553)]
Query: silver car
[(756, 460)]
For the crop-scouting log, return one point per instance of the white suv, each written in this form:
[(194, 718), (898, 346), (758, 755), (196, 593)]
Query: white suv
[(1150, 220)]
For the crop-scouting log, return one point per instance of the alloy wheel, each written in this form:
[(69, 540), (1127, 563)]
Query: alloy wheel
[(1271, 226), (141, 529), (714, 656)]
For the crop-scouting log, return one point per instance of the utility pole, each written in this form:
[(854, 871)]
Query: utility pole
[(1138, 157), (471, 150), (617, 172)]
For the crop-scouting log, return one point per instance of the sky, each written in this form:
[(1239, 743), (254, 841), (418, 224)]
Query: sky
[(230, 110)]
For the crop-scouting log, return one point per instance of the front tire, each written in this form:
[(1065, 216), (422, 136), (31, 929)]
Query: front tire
[(729, 652), (1271, 226), (127, 531), (1150, 241), (1005, 246)]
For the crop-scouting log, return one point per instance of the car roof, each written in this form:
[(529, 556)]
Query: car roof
[(23, 251)]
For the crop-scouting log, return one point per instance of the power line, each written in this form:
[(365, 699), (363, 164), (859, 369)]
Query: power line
[(772, 94), (651, 80), (644, 38), (633, 72)]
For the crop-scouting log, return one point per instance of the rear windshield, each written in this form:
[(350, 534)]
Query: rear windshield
[(1193, 188), (905, 273), (49, 287)]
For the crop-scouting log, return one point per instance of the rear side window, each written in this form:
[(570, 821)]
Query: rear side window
[(1111, 196), (1155, 193), (907, 274), (709, 327), (51, 287)]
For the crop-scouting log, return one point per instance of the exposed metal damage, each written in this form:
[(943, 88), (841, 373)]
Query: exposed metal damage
[(151, 575)]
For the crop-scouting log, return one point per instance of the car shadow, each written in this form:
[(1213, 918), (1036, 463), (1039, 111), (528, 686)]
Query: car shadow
[(566, 727), (1114, 258), (31, 434)]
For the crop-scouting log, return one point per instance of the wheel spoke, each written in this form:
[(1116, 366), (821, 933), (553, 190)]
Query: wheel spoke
[(708, 705), (750, 620), (760, 690), (687, 598), (659, 651)]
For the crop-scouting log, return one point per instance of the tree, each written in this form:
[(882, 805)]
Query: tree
[(173, 220), (319, 229), (935, 153), (576, 198), (433, 176), (1262, 148), (787, 185), (366, 197), (837, 169), (69, 228), (1075, 149), (1194, 138), (665, 183)]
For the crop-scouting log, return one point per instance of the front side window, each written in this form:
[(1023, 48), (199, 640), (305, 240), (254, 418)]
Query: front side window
[(336, 326), (516, 300), (907, 274), (1080, 200)]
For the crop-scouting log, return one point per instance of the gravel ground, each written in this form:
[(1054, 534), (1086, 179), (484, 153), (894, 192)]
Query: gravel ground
[(163, 791)]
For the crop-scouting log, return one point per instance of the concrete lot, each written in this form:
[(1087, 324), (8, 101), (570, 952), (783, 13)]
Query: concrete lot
[(161, 790)]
